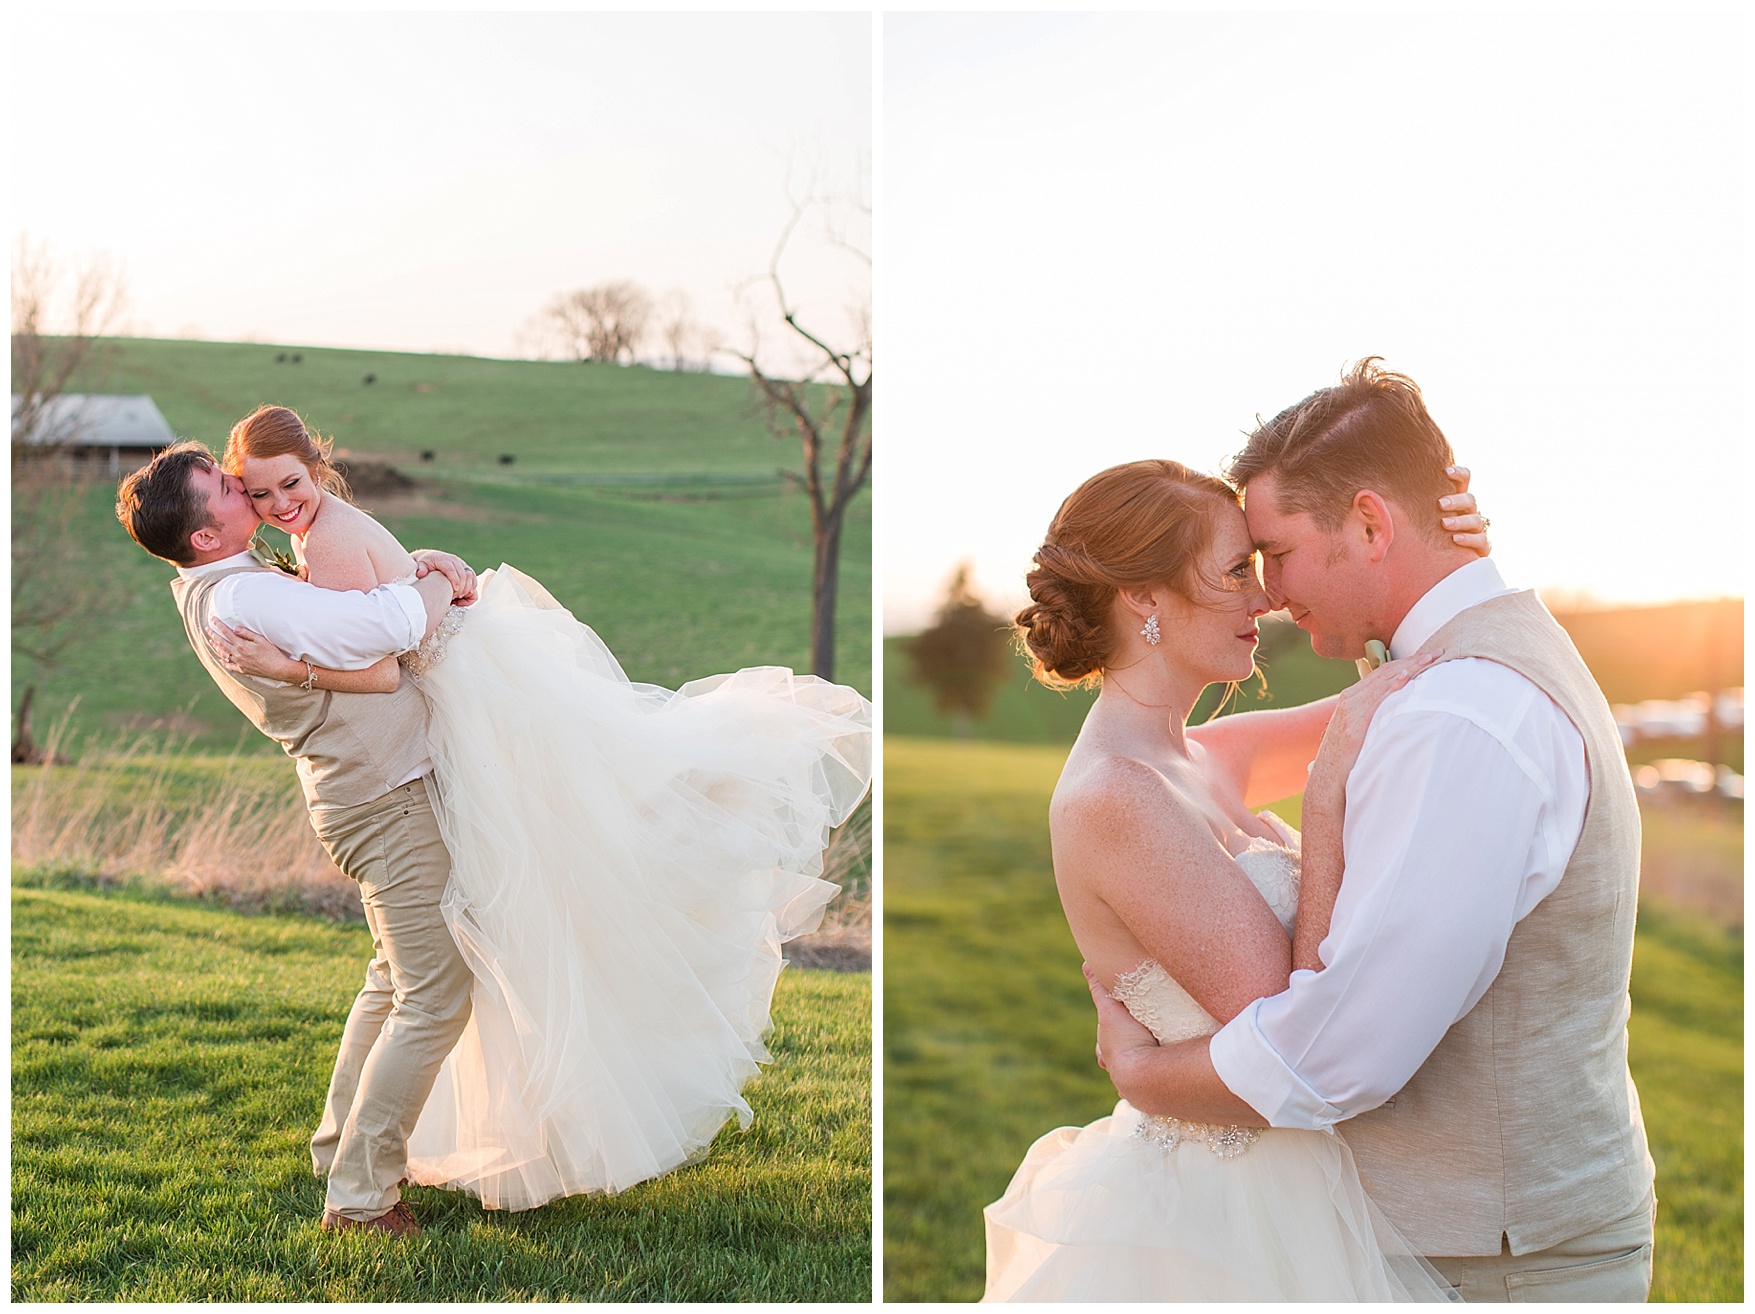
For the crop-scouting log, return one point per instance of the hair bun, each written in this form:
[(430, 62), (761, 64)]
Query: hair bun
[(1136, 525), (1056, 630)]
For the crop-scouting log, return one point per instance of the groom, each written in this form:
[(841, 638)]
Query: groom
[(362, 762), (1468, 1033)]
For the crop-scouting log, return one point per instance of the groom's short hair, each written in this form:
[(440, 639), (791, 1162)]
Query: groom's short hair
[(160, 506), (1370, 431)]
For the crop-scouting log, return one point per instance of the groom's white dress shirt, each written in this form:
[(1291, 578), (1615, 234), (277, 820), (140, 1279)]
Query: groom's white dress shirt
[(342, 629), (345, 631), (1462, 813)]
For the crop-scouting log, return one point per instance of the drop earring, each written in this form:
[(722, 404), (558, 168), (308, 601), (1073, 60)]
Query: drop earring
[(1151, 630)]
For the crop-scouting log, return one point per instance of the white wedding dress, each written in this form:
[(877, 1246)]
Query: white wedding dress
[(1144, 1208), (626, 862)]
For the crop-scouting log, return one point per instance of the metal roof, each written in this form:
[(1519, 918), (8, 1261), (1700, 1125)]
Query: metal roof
[(78, 419)]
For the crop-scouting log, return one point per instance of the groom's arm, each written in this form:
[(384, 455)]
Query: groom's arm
[(343, 630), (1459, 820)]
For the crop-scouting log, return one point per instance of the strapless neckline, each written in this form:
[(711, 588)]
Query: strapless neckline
[(1287, 843)]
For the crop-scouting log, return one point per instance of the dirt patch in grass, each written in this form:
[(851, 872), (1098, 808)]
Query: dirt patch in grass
[(842, 949)]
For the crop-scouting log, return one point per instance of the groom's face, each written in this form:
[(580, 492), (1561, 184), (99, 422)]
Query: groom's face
[(1308, 571), (231, 513)]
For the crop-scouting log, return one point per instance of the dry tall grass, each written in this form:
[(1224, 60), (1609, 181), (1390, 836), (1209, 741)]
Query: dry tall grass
[(235, 832), (131, 817)]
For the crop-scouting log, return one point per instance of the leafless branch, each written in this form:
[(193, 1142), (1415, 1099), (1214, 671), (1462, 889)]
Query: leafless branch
[(828, 409)]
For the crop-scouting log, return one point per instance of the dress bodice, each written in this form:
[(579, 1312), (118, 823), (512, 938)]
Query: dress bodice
[(1170, 1013)]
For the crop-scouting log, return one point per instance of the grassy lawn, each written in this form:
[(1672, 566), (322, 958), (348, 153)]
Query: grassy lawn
[(682, 578), (988, 1026), (169, 1064)]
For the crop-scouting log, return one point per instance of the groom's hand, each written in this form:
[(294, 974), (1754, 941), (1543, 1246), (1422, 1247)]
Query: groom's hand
[(455, 570), (1119, 1034)]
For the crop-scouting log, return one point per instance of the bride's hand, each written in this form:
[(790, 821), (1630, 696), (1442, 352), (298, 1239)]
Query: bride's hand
[(455, 570), (1352, 718), (1468, 528), (248, 653), (1118, 1031)]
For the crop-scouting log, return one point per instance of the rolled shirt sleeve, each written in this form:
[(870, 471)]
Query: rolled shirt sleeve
[(345, 631), (1462, 813)]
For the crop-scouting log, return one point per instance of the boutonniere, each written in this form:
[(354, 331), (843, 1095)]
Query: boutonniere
[(272, 556)]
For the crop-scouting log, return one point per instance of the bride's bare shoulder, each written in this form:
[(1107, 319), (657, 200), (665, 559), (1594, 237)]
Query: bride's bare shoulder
[(1109, 797), (340, 527), (347, 549)]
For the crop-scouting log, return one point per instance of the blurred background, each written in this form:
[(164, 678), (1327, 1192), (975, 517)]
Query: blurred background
[(1114, 237)]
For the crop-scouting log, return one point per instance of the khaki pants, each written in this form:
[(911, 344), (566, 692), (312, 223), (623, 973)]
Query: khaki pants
[(412, 1008), (1610, 1264)]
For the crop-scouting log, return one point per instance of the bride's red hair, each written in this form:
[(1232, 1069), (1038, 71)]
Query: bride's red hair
[(1131, 526), (271, 431)]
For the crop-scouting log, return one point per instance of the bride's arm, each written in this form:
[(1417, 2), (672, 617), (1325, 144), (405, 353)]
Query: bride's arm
[(248, 653), (1263, 756)]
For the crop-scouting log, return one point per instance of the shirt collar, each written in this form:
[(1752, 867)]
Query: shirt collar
[(1464, 587), (234, 562)]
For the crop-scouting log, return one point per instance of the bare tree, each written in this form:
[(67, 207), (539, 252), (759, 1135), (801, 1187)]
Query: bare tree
[(603, 323), (44, 362), (963, 655), (684, 338), (829, 409), (60, 589)]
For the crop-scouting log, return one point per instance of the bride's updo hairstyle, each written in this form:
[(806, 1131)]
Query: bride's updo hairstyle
[(271, 431), (1132, 526)]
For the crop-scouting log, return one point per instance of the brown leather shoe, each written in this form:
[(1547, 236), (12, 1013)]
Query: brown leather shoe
[(398, 1220)]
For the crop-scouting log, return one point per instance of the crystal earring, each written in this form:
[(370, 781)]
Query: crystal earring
[(1151, 630)]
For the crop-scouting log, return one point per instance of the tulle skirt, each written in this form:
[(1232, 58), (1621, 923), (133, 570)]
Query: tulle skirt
[(626, 862), (1099, 1213)]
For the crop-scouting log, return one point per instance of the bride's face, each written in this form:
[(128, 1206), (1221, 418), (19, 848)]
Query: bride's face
[(282, 491), (1216, 631)]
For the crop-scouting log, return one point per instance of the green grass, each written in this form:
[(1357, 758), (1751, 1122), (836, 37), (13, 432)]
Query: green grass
[(988, 1028), (681, 578), (169, 1064)]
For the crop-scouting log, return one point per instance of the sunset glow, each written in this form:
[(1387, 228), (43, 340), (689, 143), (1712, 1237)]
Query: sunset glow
[(1126, 236)]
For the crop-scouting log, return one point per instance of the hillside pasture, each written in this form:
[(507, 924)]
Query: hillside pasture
[(650, 504)]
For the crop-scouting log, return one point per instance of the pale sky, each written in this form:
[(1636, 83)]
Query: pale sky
[(1119, 236), (427, 181)]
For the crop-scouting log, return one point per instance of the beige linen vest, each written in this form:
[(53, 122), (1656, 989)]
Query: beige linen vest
[(1524, 1121), (350, 748)]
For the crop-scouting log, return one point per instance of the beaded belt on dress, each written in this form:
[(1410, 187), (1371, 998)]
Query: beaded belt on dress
[(1167, 1132), (418, 661)]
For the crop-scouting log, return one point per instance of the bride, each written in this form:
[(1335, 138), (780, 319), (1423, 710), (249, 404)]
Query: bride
[(1186, 906), (626, 860)]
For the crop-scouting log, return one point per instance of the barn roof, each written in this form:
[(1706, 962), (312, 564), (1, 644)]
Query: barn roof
[(78, 419)]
